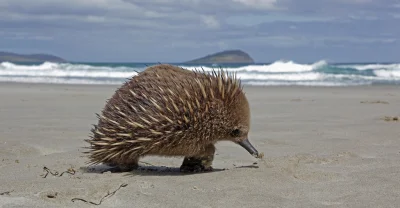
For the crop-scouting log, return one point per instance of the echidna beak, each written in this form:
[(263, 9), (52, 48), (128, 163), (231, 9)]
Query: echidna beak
[(249, 147)]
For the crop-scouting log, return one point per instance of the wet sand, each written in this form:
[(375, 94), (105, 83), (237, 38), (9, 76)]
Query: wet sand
[(323, 147)]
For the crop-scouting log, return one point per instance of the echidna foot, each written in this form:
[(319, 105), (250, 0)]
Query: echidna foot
[(197, 164)]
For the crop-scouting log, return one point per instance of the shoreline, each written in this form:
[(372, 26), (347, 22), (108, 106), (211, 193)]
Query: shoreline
[(384, 85)]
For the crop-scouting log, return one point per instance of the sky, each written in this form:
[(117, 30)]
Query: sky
[(304, 31)]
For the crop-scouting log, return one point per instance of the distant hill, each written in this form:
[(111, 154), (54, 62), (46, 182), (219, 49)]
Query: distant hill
[(224, 57), (14, 57)]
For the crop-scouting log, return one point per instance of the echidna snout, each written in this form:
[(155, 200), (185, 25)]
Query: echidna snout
[(249, 147), (170, 111)]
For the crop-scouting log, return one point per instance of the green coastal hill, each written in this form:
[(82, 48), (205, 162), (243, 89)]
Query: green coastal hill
[(224, 57), (14, 57)]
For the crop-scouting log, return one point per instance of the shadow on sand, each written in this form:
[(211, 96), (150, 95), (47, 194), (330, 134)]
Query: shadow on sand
[(151, 170)]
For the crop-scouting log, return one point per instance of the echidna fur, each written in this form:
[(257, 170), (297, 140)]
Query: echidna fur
[(170, 111)]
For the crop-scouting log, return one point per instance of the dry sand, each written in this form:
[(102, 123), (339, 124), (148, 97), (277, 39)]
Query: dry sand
[(324, 147)]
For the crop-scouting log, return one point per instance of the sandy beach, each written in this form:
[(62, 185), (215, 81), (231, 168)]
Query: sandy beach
[(323, 147)]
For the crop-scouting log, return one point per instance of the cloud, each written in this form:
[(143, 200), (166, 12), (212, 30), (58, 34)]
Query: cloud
[(340, 8), (77, 13), (210, 21), (177, 30), (263, 4)]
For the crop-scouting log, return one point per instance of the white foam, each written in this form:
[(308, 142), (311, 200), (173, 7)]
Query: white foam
[(317, 83), (65, 70), (276, 67), (351, 77), (277, 73), (373, 66), (45, 80), (47, 66), (309, 76), (388, 74), (286, 77), (63, 73), (14, 67)]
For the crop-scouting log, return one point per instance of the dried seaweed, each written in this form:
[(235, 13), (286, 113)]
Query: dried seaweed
[(375, 102), (70, 171), (52, 195), (391, 118), (260, 155), (101, 200), (6, 193)]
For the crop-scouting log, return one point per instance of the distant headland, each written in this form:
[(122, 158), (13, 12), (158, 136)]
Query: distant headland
[(224, 57), (14, 57)]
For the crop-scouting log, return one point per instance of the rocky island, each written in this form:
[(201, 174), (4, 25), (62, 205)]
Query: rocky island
[(14, 57), (224, 57)]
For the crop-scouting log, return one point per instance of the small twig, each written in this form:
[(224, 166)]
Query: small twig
[(70, 171), (391, 118), (375, 102), (101, 200), (6, 193)]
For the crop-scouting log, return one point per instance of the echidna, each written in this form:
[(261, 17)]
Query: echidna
[(170, 111)]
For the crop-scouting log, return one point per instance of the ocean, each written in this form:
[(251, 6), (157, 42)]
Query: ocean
[(277, 73)]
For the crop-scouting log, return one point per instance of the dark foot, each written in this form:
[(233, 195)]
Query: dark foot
[(196, 164)]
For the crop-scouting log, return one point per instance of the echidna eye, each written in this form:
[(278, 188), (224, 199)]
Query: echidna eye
[(235, 133)]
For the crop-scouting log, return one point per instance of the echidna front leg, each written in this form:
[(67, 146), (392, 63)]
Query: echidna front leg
[(201, 162)]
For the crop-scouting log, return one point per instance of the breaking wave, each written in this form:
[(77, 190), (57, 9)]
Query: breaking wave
[(278, 73)]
